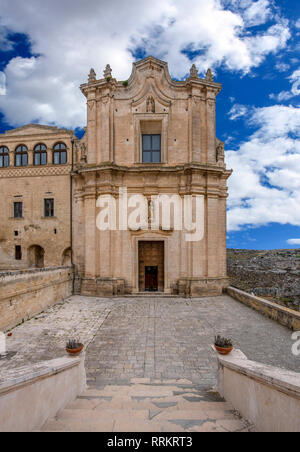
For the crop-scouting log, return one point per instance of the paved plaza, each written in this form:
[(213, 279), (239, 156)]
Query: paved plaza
[(156, 338)]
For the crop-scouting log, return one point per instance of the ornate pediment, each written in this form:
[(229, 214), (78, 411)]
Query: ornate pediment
[(151, 99)]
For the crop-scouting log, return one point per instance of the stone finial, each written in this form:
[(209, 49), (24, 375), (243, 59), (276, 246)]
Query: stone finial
[(92, 76), (209, 76), (193, 72), (107, 72)]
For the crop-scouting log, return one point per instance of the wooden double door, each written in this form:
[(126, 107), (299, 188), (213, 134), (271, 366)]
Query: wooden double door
[(151, 266)]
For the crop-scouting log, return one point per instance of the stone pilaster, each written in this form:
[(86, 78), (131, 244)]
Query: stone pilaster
[(90, 225)]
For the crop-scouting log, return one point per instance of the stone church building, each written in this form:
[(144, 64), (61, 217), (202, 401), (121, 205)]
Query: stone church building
[(149, 134)]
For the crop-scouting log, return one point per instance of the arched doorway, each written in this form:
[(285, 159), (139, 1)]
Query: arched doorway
[(67, 258), (36, 256)]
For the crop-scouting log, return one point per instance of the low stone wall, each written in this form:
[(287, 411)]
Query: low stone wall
[(266, 396), (282, 315), (27, 292), (31, 395)]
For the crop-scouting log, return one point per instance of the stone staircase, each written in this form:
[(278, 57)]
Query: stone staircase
[(142, 405)]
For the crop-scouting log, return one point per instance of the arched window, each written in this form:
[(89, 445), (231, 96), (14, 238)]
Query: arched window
[(40, 155), (4, 157), (60, 154), (21, 156)]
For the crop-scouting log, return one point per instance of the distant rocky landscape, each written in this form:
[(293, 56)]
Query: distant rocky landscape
[(273, 274)]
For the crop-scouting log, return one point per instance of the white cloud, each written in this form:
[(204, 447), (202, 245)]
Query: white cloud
[(257, 13), (2, 84), (282, 67), (295, 89), (70, 36), (238, 111), (293, 241), (298, 23), (265, 185)]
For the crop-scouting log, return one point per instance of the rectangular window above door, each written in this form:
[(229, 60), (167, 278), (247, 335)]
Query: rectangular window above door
[(151, 148)]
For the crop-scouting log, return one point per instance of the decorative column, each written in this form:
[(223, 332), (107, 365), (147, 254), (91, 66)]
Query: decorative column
[(30, 153), (90, 225), (211, 126), (78, 226), (105, 128), (92, 119)]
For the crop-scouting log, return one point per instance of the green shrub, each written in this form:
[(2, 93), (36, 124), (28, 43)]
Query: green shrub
[(223, 342)]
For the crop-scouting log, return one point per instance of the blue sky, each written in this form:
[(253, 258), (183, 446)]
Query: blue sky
[(253, 47)]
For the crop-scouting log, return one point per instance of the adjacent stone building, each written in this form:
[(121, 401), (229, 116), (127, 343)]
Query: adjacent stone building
[(35, 187), (149, 135)]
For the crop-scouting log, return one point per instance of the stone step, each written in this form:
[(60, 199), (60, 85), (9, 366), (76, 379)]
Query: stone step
[(120, 422), (144, 406), (175, 403), (151, 295)]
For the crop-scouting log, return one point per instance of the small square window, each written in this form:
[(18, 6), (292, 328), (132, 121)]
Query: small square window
[(18, 209), (16, 233), (49, 208)]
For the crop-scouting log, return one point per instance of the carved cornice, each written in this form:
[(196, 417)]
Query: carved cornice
[(159, 168), (39, 129), (35, 171)]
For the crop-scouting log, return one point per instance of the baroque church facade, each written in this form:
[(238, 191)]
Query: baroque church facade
[(151, 135)]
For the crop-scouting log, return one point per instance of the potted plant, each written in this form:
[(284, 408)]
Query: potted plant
[(73, 347), (223, 346)]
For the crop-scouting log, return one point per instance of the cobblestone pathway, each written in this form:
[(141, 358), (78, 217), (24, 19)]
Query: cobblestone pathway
[(171, 338), (44, 336), (163, 338)]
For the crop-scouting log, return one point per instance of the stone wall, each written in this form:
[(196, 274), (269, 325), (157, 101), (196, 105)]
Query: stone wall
[(284, 316), (273, 274), (40, 389), (25, 293), (267, 396)]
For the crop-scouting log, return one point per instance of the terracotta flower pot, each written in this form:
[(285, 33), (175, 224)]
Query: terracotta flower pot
[(223, 351), (75, 351)]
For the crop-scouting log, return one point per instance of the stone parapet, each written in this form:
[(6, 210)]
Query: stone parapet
[(25, 293), (268, 397), (282, 315), (40, 389)]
